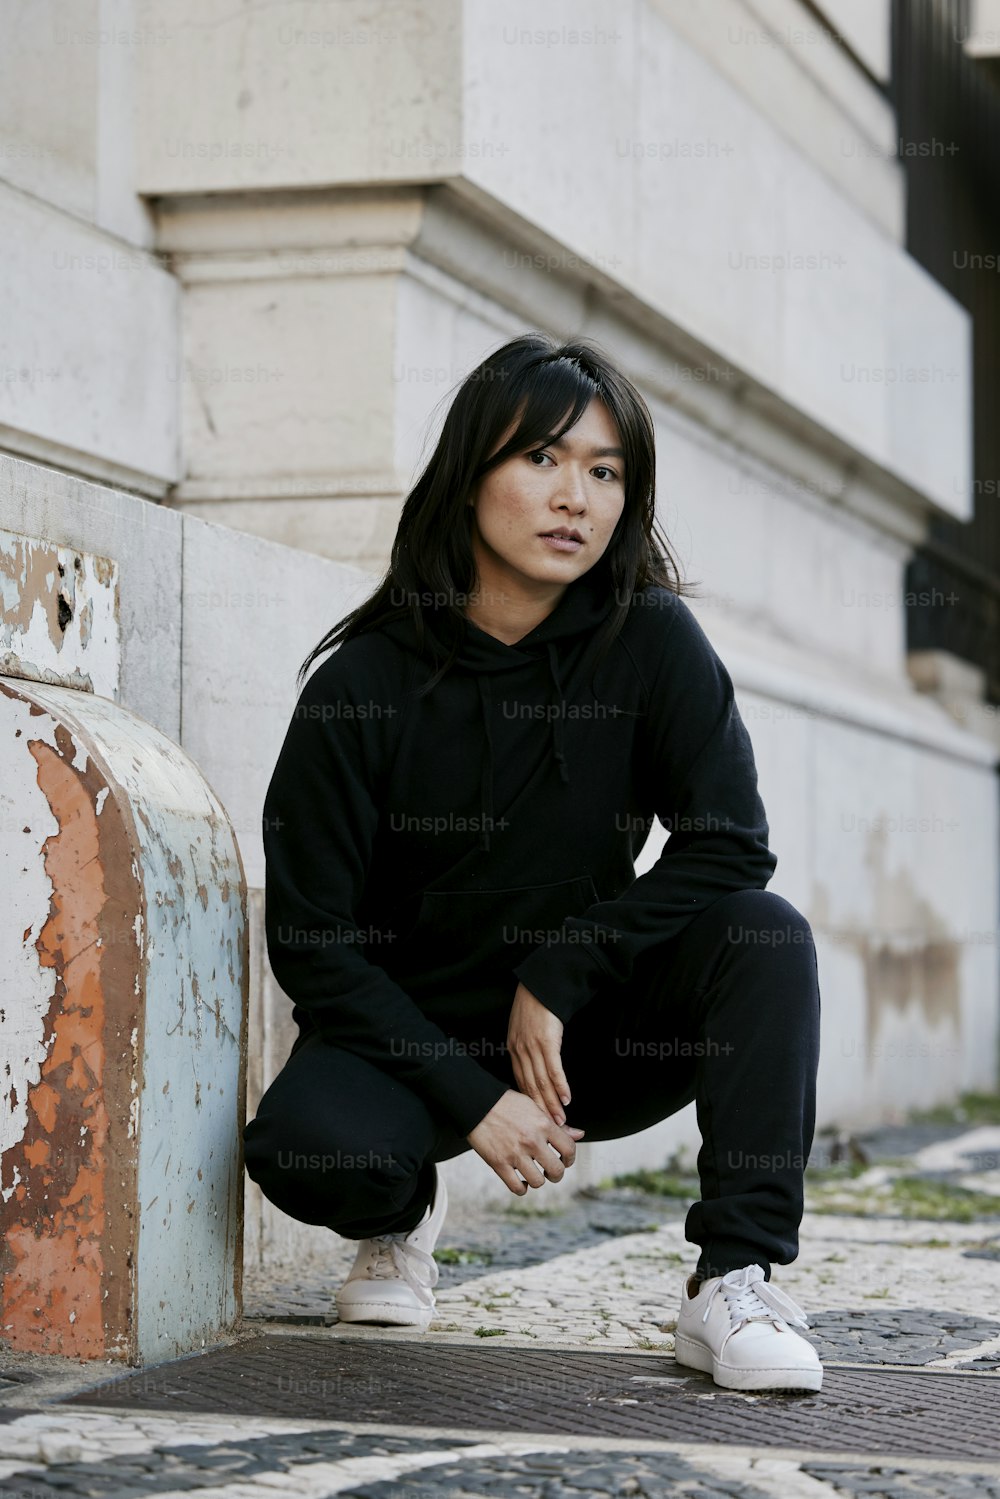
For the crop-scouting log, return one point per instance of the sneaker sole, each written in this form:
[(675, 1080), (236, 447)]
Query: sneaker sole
[(391, 1314), (382, 1312), (697, 1356)]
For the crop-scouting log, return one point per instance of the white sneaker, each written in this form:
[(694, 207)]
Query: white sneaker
[(393, 1275), (738, 1328)]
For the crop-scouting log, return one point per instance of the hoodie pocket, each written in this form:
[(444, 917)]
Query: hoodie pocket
[(472, 940)]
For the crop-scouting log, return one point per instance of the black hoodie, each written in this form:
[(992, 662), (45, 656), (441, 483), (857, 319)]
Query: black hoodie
[(425, 855)]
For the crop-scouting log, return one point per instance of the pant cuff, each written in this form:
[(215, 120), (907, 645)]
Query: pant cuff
[(719, 1258)]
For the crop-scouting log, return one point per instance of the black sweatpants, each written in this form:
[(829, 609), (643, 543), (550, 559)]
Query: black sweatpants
[(726, 1013)]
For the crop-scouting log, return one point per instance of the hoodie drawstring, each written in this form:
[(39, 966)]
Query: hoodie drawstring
[(558, 741)]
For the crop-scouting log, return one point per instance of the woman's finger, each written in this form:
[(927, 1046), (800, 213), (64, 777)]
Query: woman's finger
[(543, 1062), (554, 1067)]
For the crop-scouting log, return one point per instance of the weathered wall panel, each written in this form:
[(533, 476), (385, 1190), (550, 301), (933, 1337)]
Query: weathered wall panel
[(59, 620)]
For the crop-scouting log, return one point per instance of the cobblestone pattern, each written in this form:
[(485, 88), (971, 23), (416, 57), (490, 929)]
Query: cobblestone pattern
[(623, 1291), (491, 1240), (889, 1482), (569, 1477), (88, 1455), (307, 1461), (896, 1335)]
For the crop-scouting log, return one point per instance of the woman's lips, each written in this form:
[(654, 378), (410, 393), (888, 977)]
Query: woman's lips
[(562, 543)]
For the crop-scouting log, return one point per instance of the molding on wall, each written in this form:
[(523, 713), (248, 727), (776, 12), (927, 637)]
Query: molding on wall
[(475, 252)]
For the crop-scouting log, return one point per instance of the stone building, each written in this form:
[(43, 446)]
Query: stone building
[(249, 251)]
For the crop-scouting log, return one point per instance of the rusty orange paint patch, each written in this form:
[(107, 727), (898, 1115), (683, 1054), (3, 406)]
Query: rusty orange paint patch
[(67, 1252), (43, 1102), (37, 1154)]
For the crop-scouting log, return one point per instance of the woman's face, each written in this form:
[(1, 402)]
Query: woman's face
[(576, 484)]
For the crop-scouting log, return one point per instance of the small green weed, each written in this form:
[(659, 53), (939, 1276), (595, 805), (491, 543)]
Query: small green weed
[(452, 1256), (658, 1183), (915, 1197), (921, 1197)]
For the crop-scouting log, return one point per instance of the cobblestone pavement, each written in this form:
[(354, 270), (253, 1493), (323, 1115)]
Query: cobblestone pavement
[(899, 1268)]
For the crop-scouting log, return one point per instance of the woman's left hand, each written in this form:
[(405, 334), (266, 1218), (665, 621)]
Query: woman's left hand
[(534, 1038)]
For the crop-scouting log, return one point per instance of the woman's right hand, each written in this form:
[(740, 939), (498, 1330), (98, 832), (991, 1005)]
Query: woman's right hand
[(517, 1133)]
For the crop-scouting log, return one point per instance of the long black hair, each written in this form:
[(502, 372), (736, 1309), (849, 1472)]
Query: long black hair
[(535, 381)]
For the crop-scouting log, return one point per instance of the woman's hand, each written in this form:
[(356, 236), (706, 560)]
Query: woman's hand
[(517, 1136), (534, 1038)]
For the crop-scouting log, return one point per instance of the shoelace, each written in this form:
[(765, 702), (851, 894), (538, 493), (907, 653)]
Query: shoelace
[(751, 1298), (394, 1256)]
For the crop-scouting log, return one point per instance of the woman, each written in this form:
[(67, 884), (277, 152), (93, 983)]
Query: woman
[(451, 902)]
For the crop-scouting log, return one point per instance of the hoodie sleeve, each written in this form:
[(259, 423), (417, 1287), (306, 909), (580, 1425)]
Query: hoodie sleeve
[(320, 814), (699, 766)]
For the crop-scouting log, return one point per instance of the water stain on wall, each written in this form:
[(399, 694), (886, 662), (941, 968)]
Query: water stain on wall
[(910, 961)]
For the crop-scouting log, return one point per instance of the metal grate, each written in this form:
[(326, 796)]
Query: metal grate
[(564, 1392)]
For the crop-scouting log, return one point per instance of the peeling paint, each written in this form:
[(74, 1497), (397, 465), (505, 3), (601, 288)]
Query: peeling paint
[(60, 620), (127, 925), (64, 1230)]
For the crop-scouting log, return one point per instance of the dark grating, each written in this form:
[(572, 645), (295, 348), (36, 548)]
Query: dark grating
[(564, 1393)]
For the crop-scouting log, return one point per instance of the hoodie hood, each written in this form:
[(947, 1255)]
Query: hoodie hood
[(582, 608)]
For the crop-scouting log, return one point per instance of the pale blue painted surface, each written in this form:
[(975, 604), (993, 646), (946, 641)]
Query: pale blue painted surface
[(190, 1076)]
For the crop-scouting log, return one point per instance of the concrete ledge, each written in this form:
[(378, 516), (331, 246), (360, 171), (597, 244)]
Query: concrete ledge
[(89, 346)]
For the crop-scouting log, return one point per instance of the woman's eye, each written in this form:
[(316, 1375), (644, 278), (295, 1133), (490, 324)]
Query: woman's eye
[(601, 467)]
